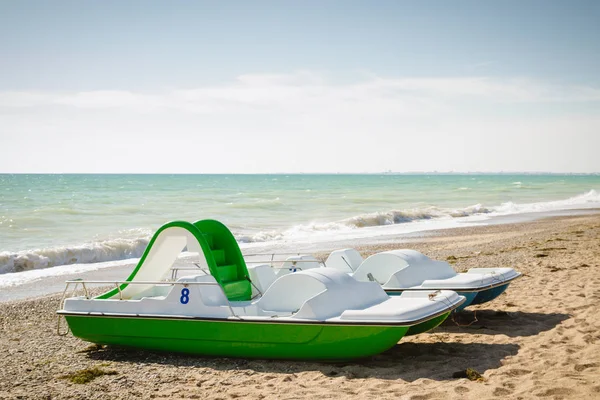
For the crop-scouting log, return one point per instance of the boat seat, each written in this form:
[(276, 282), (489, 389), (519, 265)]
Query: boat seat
[(289, 292), (402, 268), (262, 276), (341, 292), (345, 260), (319, 293), (154, 292), (153, 298)]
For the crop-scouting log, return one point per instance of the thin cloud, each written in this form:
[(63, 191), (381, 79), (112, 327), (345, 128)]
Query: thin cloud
[(305, 91)]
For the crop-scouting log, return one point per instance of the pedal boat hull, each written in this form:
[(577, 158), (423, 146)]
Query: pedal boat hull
[(472, 296), (236, 338)]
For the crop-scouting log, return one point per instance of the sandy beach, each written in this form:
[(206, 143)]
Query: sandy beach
[(541, 339)]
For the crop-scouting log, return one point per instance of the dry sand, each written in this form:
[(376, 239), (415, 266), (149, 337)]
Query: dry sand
[(541, 339)]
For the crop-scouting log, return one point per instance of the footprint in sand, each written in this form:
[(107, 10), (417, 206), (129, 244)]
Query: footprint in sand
[(589, 339), (555, 392), (517, 372), (425, 396), (461, 389), (581, 367), (500, 391)]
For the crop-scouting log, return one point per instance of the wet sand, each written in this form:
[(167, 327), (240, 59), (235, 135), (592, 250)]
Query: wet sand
[(539, 340)]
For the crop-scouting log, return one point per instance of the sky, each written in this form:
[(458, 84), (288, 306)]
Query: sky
[(299, 87)]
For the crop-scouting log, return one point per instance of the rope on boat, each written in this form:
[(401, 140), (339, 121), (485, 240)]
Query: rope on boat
[(448, 303), (465, 325), (433, 295), (202, 269), (255, 287), (445, 298), (497, 277)]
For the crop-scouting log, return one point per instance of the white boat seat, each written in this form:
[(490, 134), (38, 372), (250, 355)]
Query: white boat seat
[(345, 260), (289, 292), (402, 268), (319, 293)]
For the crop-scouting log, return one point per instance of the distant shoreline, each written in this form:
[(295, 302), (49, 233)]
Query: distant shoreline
[(408, 173)]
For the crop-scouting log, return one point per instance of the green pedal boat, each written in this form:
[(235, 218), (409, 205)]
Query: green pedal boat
[(319, 314)]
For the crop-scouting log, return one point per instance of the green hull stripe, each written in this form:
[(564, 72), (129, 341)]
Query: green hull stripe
[(427, 325), (247, 340)]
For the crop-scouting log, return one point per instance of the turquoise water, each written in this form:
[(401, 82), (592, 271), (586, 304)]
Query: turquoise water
[(48, 220)]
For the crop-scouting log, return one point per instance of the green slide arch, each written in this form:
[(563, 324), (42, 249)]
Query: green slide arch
[(222, 253), (230, 265)]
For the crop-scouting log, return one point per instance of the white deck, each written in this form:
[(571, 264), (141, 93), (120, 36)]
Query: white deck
[(317, 295), (409, 269)]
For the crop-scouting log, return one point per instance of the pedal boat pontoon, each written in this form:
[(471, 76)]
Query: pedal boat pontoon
[(316, 314), (400, 270)]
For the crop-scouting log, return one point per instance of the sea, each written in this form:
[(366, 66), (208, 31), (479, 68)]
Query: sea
[(57, 225)]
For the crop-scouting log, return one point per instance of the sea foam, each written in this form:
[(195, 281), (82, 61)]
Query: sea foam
[(96, 252), (590, 199), (128, 248)]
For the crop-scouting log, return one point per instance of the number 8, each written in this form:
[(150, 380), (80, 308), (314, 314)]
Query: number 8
[(185, 296)]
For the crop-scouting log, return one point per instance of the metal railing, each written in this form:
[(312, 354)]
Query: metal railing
[(273, 255), (118, 287), (175, 270)]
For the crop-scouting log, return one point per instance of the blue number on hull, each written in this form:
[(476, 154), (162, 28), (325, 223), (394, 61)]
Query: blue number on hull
[(185, 296)]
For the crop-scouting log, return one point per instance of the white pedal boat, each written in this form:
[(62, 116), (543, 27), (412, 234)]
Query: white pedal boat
[(400, 270)]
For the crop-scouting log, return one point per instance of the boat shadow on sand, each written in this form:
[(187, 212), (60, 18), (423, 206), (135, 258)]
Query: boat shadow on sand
[(439, 360), (408, 361), (492, 322)]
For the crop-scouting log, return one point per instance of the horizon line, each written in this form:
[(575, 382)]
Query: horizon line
[(313, 173)]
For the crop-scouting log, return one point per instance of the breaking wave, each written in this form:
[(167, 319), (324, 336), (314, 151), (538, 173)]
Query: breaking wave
[(110, 250), (590, 199), (133, 247)]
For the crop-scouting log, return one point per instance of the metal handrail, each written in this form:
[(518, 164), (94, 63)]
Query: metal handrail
[(170, 283), (283, 261), (174, 269), (272, 254), (253, 262), (146, 282), (196, 269), (62, 301), (279, 254)]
